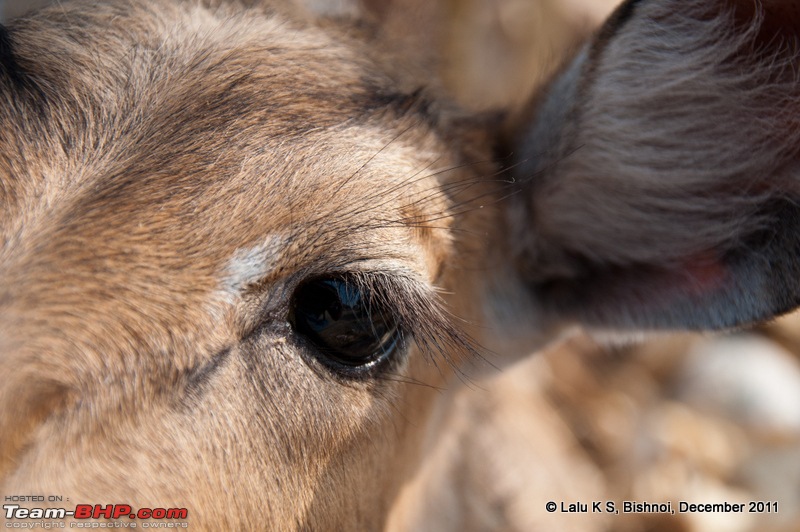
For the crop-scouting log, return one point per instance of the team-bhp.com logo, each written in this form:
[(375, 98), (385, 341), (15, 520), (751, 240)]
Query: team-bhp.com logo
[(19, 517)]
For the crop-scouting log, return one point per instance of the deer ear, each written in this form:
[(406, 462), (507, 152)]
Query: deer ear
[(661, 170)]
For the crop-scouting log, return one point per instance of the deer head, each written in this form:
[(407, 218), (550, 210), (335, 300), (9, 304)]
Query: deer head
[(245, 246)]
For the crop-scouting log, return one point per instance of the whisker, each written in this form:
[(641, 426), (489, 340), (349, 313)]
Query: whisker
[(402, 379), (393, 193), (360, 168)]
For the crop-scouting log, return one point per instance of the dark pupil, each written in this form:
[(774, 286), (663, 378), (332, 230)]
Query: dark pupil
[(343, 322)]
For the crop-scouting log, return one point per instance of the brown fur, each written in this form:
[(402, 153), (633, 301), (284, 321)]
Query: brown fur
[(170, 173), (194, 133)]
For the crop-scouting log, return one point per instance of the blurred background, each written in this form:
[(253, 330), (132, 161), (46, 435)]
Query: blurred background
[(701, 419)]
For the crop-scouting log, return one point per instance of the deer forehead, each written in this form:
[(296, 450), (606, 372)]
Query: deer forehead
[(147, 215), (179, 264)]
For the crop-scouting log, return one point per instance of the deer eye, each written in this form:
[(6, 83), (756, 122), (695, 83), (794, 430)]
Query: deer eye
[(347, 324)]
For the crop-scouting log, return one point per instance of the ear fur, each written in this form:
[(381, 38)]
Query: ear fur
[(661, 170)]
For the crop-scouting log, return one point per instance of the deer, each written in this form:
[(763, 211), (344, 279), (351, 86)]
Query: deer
[(245, 245)]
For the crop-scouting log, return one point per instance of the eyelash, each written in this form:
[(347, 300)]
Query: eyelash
[(416, 310)]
